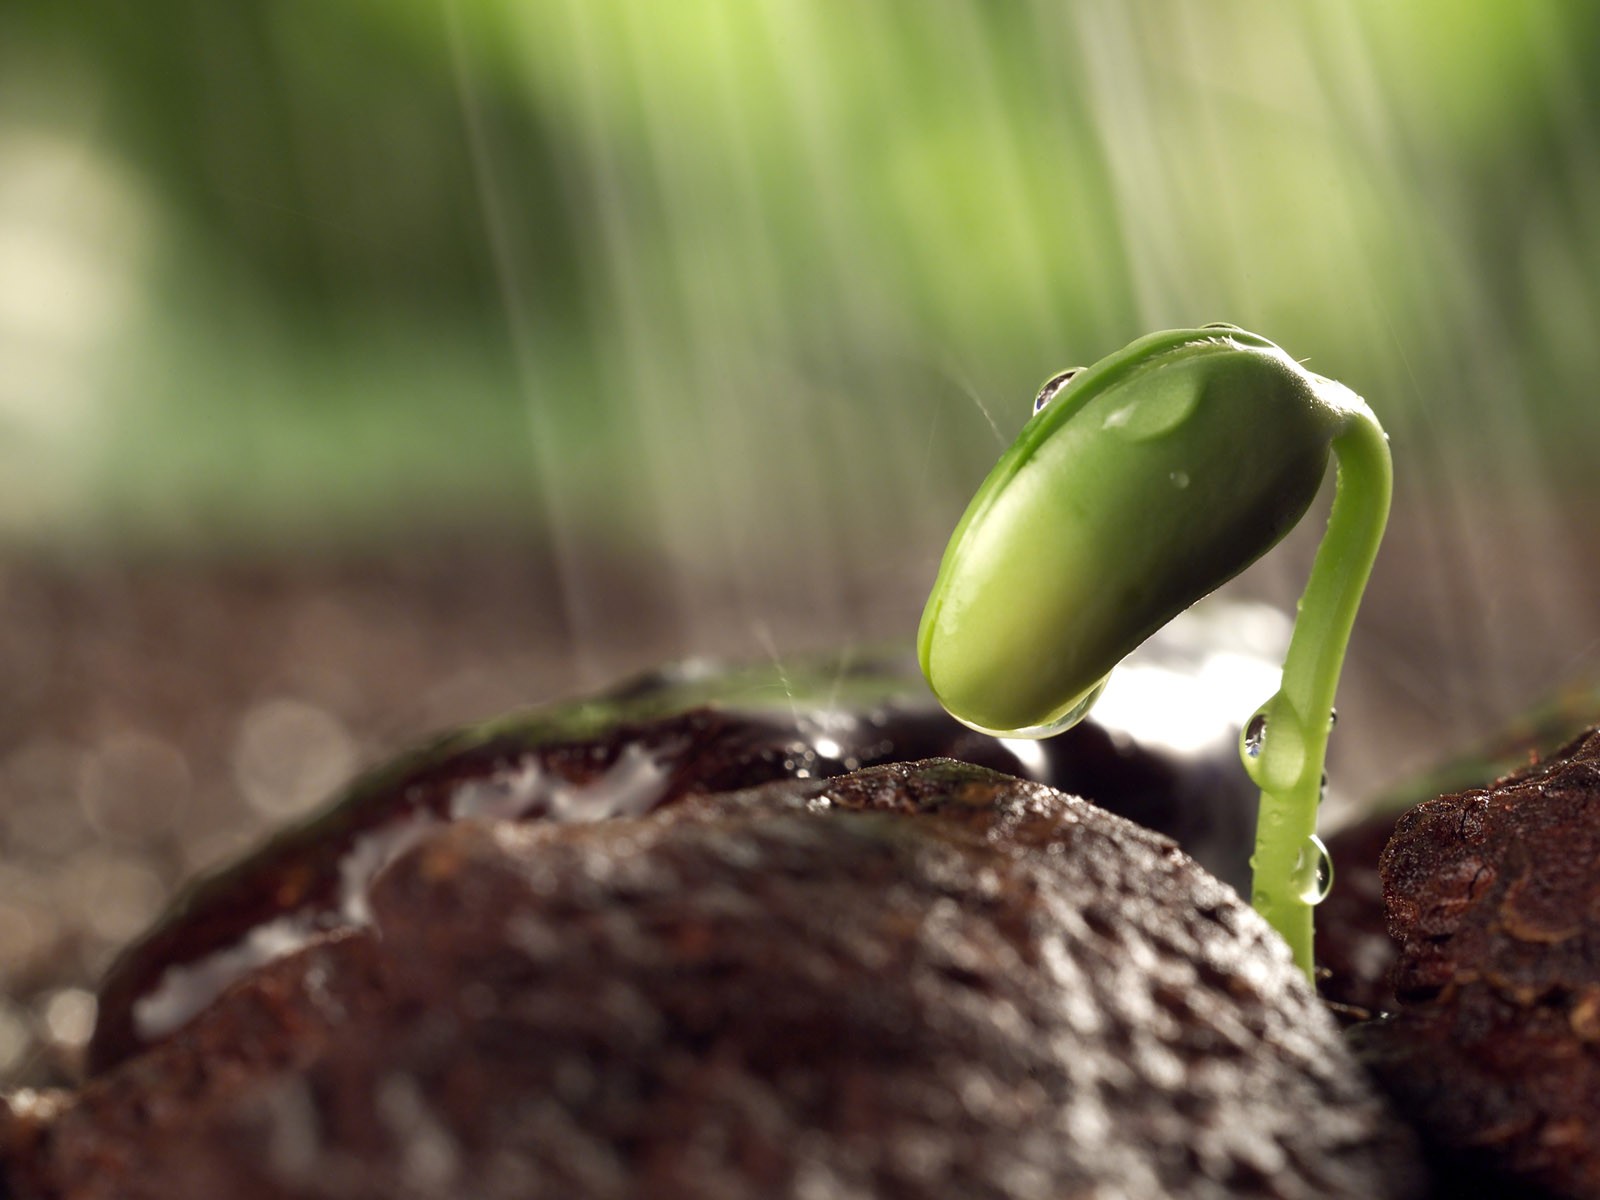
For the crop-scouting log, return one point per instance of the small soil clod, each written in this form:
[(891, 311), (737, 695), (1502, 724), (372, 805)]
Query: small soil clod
[(1494, 898)]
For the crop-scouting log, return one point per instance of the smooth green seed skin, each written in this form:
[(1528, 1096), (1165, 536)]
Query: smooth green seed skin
[(1154, 477)]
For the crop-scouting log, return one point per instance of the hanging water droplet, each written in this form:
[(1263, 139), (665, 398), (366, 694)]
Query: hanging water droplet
[(1077, 712), (1313, 872), (1069, 718), (1180, 479), (1322, 791), (1333, 717), (1255, 735), (1052, 387)]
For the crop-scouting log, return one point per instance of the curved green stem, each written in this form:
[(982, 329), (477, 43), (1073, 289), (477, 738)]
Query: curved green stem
[(1291, 749)]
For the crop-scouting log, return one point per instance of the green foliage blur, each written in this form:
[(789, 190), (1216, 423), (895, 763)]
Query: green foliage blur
[(724, 280)]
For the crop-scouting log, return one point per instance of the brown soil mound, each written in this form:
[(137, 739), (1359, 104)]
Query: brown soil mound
[(926, 980)]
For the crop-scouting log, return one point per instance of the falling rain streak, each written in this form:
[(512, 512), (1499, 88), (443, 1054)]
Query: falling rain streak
[(799, 319)]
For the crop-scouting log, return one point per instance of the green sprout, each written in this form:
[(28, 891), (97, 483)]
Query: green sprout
[(1141, 484)]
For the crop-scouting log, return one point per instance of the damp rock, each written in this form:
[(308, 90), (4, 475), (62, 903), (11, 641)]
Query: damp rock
[(1494, 1051), (690, 729), (925, 980)]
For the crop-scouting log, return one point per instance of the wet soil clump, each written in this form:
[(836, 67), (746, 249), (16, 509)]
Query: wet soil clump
[(1494, 1051), (911, 980)]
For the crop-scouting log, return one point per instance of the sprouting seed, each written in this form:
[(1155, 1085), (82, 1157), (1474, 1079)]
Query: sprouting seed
[(1078, 546)]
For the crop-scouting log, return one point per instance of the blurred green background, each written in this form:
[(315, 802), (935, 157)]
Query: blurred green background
[(753, 293), (370, 365)]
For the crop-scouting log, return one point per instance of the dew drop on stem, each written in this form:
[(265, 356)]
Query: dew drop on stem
[(1313, 872), (1255, 735)]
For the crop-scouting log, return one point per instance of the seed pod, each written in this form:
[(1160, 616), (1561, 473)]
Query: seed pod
[(1144, 483)]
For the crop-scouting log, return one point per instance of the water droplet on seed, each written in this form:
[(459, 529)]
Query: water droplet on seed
[(1255, 735), (1069, 718), (1156, 410), (1077, 712), (1313, 872), (1052, 387)]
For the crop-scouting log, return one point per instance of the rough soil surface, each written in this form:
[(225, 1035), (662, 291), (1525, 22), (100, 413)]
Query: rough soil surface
[(1494, 897), (607, 757), (159, 716), (925, 981), (156, 716)]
